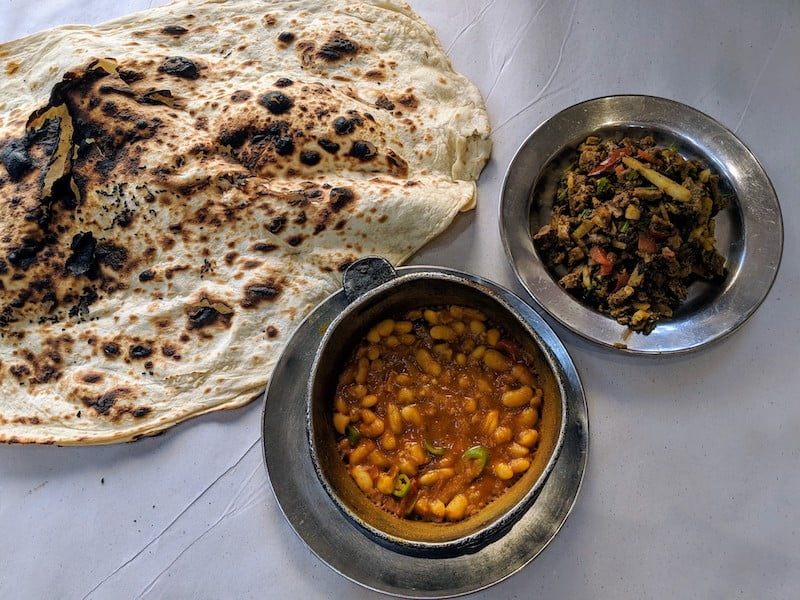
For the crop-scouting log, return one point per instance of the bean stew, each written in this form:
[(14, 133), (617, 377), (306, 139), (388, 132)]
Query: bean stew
[(437, 413)]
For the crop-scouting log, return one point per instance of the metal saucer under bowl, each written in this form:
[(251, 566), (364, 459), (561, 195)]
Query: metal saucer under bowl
[(342, 544)]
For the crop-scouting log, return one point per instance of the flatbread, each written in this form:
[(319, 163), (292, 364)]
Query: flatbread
[(179, 187)]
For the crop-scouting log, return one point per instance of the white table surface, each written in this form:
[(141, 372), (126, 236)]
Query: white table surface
[(692, 488)]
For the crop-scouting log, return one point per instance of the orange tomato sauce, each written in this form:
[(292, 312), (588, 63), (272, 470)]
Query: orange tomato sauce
[(437, 413)]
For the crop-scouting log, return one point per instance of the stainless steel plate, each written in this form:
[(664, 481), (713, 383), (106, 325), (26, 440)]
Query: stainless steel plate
[(749, 232), (344, 548)]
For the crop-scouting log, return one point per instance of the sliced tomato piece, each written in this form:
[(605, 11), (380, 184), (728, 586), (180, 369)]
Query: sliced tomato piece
[(644, 155), (607, 165), (598, 255)]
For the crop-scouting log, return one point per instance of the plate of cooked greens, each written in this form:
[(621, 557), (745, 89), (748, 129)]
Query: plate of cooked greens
[(641, 224)]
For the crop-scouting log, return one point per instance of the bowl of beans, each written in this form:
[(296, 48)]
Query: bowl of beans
[(435, 412)]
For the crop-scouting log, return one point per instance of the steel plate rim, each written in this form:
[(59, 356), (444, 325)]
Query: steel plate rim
[(551, 300), (578, 441)]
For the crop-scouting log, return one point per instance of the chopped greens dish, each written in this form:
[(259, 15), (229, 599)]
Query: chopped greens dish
[(632, 227)]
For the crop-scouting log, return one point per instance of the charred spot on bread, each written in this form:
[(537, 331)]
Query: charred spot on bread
[(180, 66), (363, 150), (24, 256), (111, 349), (277, 103), (384, 103), (256, 293), (19, 371), (310, 158), (277, 224), (328, 145), (240, 96), (284, 145), (202, 316), (336, 47), (343, 125), (140, 351), (15, 159), (340, 197), (235, 138), (175, 30), (103, 403)]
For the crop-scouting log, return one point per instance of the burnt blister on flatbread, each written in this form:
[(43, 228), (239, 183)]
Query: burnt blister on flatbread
[(82, 258), (328, 145), (310, 157), (340, 197), (180, 66), (284, 145), (175, 30), (16, 159), (277, 103), (258, 292), (207, 312), (343, 125), (241, 96), (363, 150), (286, 37), (111, 349), (138, 351), (337, 46)]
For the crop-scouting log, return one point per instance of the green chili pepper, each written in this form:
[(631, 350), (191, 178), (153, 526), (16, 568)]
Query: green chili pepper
[(433, 449), (353, 436), (479, 454), (402, 485), (603, 184)]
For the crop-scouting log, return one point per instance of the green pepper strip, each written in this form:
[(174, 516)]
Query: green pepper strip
[(478, 453), (353, 435), (402, 485), (433, 449)]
